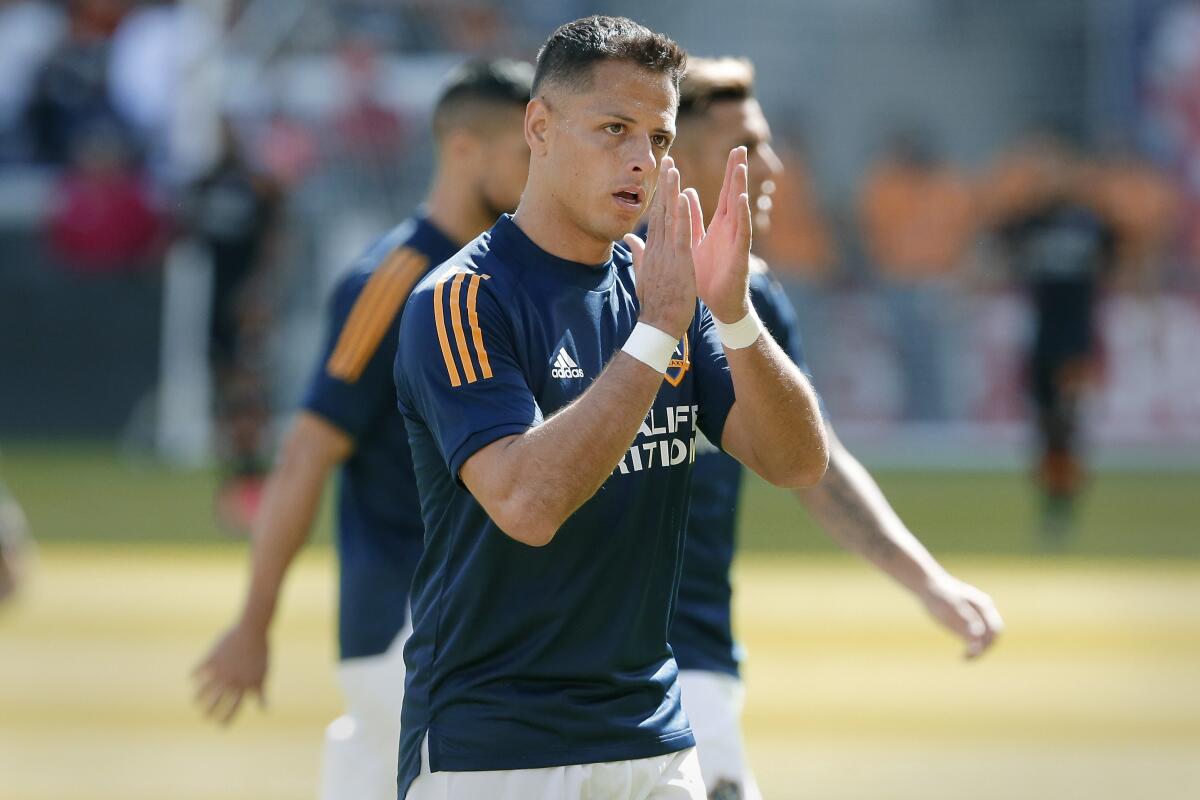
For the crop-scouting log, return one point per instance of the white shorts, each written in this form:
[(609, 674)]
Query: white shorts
[(713, 703), (361, 746), (674, 776)]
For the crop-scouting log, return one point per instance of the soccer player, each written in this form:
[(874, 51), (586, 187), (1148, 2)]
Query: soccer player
[(717, 111), (553, 384), (349, 421), (1063, 251)]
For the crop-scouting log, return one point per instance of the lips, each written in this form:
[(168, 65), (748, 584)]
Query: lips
[(630, 197)]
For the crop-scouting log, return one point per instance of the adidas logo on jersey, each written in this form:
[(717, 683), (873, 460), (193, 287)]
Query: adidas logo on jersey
[(564, 367)]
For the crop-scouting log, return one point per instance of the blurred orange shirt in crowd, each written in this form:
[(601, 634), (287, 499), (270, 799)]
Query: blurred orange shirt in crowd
[(1143, 206), (918, 222), (799, 242)]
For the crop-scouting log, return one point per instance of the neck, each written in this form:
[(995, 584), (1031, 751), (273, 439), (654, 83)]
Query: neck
[(543, 221), (456, 209)]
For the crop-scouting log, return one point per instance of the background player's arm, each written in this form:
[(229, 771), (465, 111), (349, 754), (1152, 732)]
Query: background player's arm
[(852, 510), (237, 663), (530, 483)]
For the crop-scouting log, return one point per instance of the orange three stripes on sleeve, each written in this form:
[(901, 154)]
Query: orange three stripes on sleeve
[(373, 312), (456, 323)]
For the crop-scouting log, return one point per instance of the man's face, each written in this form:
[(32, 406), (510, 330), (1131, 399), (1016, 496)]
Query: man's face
[(604, 144), (505, 161), (704, 145)]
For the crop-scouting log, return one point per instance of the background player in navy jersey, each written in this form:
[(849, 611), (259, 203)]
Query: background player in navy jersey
[(718, 111), (552, 408), (349, 420)]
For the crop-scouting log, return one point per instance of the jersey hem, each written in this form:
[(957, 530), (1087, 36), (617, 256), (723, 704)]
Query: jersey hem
[(624, 751)]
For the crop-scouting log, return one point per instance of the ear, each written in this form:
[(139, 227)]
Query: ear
[(537, 125), (461, 146)]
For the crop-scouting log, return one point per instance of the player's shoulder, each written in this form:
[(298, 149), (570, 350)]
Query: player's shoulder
[(471, 284), (392, 265)]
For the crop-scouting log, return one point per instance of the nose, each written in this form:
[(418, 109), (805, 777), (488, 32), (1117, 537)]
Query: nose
[(640, 156)]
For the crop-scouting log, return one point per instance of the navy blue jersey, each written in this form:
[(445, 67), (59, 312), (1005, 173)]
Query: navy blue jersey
[(525, 657), (701, 634), (379, 529)]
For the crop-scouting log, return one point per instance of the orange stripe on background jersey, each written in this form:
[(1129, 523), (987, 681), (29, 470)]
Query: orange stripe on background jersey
[(439, 317), (373, 313), (456, 321), (485, 366), (357, 336)]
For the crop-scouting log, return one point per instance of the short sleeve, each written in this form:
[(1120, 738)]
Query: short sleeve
[(457, 369), (352, 384), (714, 385)]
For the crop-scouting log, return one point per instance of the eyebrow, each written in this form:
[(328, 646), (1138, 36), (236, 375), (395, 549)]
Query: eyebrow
[(632, 121)]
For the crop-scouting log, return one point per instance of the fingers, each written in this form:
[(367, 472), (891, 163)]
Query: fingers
[(975, 633), (745, 225), (684, 226), (697, 215), (231, 708), (992, 622), (737, 156), (636, 247)]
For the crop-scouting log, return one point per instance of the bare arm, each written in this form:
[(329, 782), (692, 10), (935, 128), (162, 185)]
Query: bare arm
[(237, 663), (852, 510), (775, 426), (580, 446)]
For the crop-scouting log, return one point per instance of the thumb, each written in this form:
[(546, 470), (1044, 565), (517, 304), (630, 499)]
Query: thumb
[(636, 247)]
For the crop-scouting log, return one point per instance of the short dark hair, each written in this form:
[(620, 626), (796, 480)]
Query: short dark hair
[(475, 89), (713, 80), (567, 57)]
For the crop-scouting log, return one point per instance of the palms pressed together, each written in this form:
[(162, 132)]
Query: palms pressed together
[(721, 254)]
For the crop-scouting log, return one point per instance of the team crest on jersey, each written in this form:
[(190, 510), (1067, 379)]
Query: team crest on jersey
[(680, 364)]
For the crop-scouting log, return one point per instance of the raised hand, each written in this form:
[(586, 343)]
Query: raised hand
[(666, 276), (722, 253)]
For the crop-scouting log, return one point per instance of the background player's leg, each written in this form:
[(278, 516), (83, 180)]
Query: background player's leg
[(14, 544), (713, 704), (360, 754)]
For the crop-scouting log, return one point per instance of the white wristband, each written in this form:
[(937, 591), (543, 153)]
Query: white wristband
[(650, 346), (740, 334)]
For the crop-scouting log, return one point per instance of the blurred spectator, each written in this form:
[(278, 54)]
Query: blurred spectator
[(1144, 208), (70, 93), (29, 32), (234, 213), (1060, 248), (1173, 77), (103, 219), (919, 220), (159, 70)]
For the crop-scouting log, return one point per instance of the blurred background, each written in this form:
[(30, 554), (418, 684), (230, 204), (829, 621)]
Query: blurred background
[(969, 185)]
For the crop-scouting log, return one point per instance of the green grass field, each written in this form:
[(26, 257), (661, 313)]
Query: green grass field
[(86, 494), (852, 692)]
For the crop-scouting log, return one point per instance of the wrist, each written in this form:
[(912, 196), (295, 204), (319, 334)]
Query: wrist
[(651, 345), (731, 313), (741, 332)]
